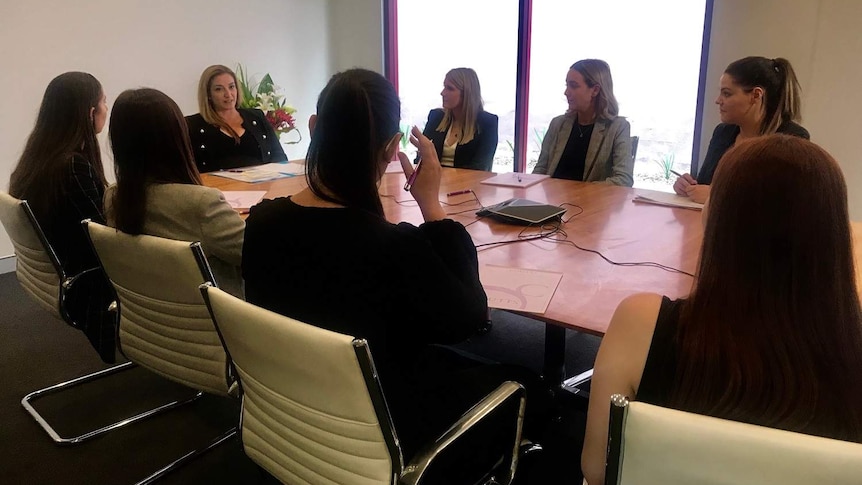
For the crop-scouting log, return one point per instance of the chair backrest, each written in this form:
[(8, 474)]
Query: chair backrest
[(312, 408), (635, 141), (164, 323), (37, 266), (654, 445)]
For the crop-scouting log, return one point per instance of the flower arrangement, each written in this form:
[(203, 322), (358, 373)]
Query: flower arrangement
[(267, 97)]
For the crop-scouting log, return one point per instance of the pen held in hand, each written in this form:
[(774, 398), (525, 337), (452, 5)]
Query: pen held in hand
[(676, 173), (412, 178)]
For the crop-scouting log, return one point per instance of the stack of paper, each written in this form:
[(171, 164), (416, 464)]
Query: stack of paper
[(262, 173), (243, 199), (665, 199)]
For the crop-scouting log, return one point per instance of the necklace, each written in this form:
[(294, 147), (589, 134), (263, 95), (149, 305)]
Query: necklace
[(580, 131)]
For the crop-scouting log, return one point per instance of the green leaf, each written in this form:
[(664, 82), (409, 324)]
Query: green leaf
[(265, 85)]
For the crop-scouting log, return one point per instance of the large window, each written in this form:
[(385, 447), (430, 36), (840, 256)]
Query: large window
[(653, 48)]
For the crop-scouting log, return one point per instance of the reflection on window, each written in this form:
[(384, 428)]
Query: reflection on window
[(434, 37)]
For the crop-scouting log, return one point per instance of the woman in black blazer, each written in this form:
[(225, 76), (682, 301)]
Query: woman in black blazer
[(225, 136), (464, 134)]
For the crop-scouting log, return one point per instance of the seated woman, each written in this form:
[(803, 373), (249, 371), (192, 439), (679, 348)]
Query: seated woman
[(159, 190), (463, 133), (769, 335), (759, 96), (225, 136), (590, 142), (60, 174), (328, 256)]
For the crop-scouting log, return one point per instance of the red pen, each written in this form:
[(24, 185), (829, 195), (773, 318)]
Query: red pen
[(412, 177), (458, 192)]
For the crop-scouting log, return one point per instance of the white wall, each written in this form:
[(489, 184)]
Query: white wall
[(821, 40), (164, 44), (356, 34)]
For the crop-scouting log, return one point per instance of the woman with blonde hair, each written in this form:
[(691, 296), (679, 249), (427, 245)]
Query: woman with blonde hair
[(225, 136), (463, 133), (758, 96), (591, 142)]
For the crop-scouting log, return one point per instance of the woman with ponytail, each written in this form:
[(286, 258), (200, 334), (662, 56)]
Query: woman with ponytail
[(758, 96)]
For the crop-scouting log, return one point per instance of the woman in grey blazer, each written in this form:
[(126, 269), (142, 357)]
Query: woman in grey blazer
[(590, 142), (159, 189)]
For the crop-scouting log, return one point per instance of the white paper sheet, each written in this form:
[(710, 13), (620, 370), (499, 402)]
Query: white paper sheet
[(666, 199), (515, 179), (243, 199), (526, 290)]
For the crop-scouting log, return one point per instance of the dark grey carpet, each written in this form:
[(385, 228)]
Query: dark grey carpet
[(39, 351)]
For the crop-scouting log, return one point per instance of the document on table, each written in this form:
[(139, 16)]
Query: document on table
[(243, 199), (666, 199), (514, 179), (262, 173), (526, 290)]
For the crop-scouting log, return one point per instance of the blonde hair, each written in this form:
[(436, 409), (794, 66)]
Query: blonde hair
[(205, 106), (466, 81), (597, 72)]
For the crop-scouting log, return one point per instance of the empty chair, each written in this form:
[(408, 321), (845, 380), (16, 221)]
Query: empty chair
[(164, 324), (649, 444), (42, 276), (313, 410)]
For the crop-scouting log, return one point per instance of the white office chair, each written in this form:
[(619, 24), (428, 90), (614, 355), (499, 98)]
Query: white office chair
[(313, 410), (39, 271), (650, 445), (164, 324)]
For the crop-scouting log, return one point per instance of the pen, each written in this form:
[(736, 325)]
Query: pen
[(233, 170), (676, 173), (458, 192), (412, 177), (243, 212)]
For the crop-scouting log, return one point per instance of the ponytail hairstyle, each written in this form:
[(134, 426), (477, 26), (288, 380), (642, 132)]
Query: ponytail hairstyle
[(64, 129), (781, 91), (208, 113), (597, 72), (358, 114), (150, 141), (466, 81)]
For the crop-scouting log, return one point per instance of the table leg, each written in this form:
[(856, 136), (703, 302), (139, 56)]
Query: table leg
[(555, 354)]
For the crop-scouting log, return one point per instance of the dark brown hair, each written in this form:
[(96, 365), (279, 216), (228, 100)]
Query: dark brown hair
[(150, 141), (358, 113), (782, 94), (64, 129), (772, 333)]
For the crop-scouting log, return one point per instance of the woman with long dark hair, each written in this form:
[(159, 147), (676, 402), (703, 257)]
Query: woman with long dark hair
[(159, 190), (758, 96), (61, 176), (328, 256), (772, 331)]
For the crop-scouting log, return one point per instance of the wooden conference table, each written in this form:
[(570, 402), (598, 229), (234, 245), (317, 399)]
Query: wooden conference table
[(591, 288)]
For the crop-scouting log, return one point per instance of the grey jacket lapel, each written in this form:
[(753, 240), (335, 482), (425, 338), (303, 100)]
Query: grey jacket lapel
[(596, 140)]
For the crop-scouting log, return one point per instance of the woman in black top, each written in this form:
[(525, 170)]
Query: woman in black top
[(225, 136), (463, 133), (771, 331), (328, 256), (759, 96), (60, 174)]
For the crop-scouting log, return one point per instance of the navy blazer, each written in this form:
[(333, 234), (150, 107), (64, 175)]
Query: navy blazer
[(478, 153), (206, 139)]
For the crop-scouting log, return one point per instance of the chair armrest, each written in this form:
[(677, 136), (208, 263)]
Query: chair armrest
[(68, 282), (419, 464)]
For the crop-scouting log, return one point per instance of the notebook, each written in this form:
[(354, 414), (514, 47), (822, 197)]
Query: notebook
[(522, 211), (666, 199)]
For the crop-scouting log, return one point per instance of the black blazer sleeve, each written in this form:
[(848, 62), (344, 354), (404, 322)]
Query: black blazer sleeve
[(430, 131), (270, 146), (479, 153)]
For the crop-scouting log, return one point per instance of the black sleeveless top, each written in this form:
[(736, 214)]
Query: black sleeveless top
[(660, 366)]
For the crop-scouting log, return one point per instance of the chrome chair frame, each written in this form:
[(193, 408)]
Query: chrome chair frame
[(208, 277), (413, 472), (66, 283)]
